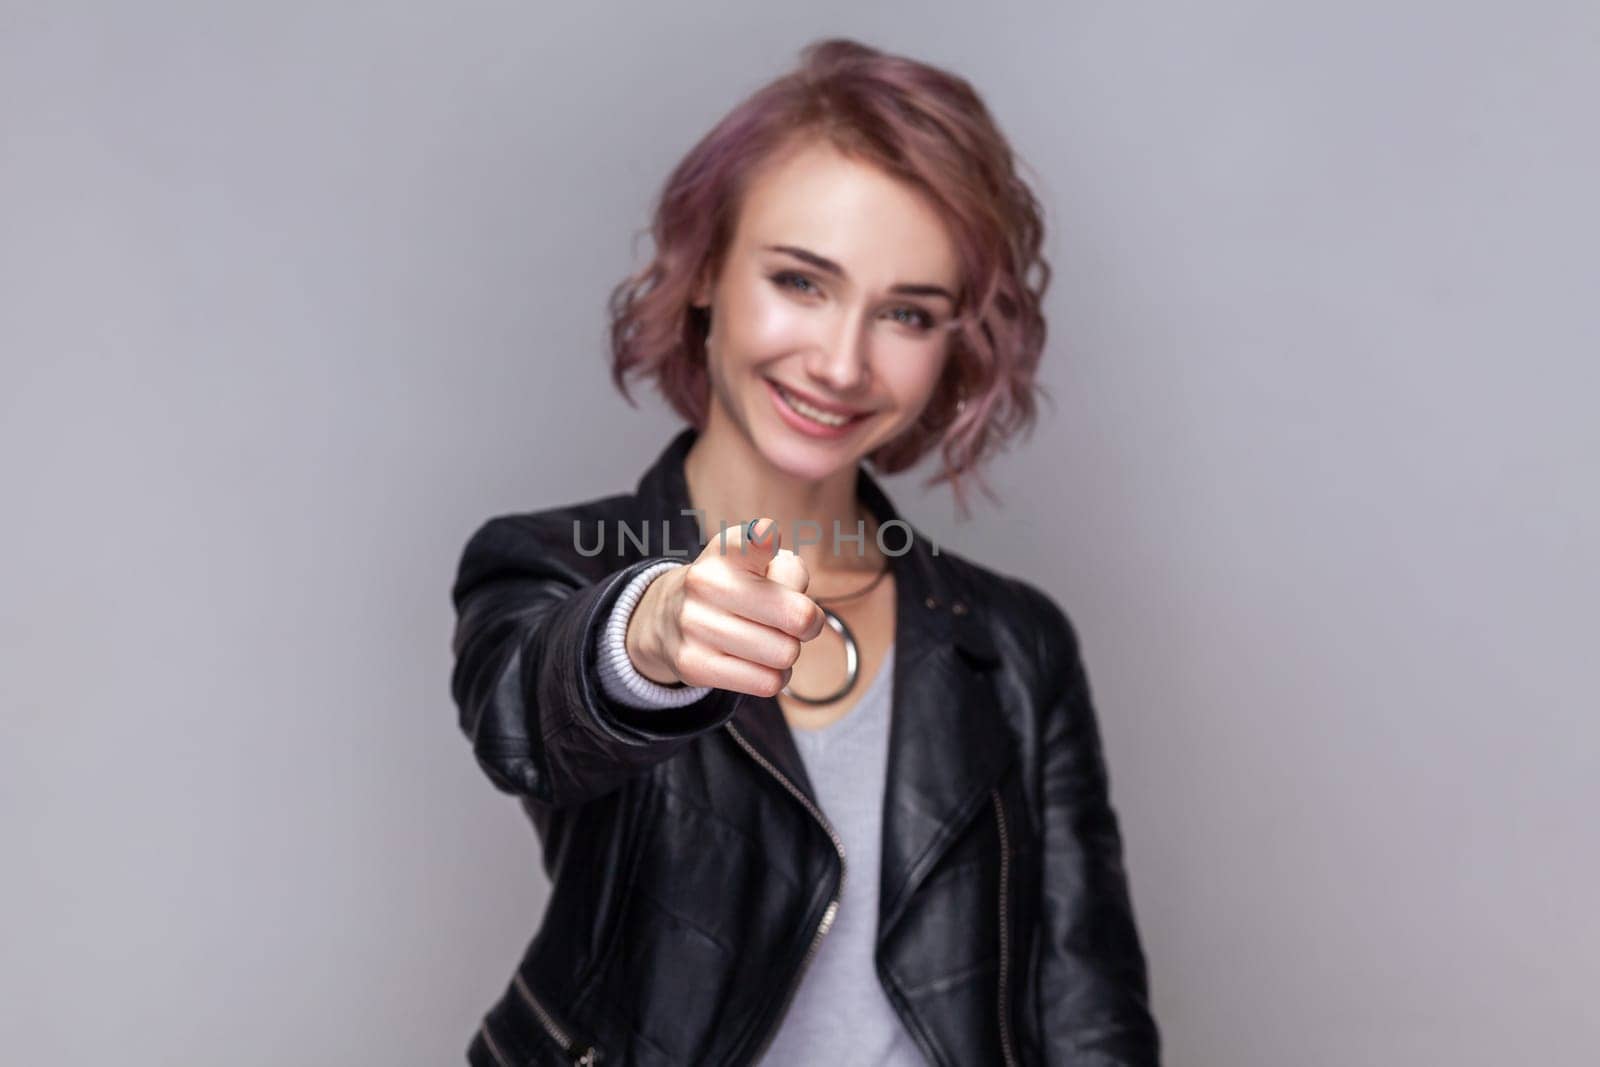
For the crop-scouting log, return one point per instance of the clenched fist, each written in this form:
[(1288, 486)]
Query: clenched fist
[(733, 619)]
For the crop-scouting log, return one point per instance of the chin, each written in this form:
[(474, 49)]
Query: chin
[(804, 459)]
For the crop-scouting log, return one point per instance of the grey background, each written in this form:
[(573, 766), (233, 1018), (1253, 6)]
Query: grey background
[(293, 296)]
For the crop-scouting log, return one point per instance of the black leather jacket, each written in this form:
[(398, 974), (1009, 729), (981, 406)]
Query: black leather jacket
[(693, 873)]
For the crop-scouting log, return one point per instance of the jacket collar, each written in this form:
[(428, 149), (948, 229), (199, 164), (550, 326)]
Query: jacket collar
[(948, 741)]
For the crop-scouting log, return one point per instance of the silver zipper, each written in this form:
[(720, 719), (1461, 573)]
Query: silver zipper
[(833, 905), (494, 1049), (586, 1056), (1005, 933)]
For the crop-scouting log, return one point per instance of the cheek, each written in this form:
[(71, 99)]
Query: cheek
[(766, 325), (914, 377)]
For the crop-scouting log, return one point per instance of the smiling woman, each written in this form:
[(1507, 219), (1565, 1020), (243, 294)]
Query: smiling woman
[(814, 355), (861, 184), (847, 273)]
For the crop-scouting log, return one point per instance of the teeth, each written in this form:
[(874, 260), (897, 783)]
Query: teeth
[(824, 417)]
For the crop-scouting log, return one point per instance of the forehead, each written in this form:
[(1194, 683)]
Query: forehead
[(880, 229)]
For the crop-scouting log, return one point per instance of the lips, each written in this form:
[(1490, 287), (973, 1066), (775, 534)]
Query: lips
[(819, 405), (807, 419)]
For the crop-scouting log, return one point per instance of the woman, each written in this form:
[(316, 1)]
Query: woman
[(809, 789)]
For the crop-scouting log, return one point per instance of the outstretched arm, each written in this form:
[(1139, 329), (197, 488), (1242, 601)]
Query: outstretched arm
[(526, 679)]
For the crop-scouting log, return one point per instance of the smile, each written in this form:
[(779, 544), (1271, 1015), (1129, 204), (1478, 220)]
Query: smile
[(815, 416)]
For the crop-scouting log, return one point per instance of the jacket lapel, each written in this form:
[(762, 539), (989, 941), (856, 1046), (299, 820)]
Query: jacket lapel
[(948, 742)]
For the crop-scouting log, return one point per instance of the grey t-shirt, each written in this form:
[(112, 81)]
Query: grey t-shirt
[(840, 1016)]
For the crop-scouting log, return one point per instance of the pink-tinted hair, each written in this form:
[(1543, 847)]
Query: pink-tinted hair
[(919, 124)]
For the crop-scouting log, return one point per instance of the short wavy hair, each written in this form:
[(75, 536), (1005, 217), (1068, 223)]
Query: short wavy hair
[(919, 124)]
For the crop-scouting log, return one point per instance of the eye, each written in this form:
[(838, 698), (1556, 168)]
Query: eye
[(918, 319), (788, 279)]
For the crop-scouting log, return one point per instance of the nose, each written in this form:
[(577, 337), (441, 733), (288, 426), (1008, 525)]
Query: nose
[(841, 362)]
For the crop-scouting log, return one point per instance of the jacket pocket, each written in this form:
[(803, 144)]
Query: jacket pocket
[(523, 1030)]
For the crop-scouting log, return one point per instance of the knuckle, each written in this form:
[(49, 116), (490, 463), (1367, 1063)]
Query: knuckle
[(788, 652), (695, 579), (696, 629), (688, 667), (680, 626)]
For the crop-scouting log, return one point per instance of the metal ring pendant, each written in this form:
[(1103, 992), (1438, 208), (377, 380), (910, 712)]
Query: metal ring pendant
[(852, 663)]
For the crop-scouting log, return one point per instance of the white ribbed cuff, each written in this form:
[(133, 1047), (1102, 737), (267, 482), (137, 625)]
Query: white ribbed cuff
[(620, 680)]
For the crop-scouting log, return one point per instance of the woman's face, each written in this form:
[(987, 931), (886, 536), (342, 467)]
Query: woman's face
[(836, 293)]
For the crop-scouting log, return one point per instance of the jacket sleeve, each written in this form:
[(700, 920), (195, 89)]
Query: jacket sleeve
[(525, 680), (1093, 1006)]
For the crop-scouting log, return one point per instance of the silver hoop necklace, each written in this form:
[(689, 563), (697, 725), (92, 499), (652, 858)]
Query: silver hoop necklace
[(852, 653)]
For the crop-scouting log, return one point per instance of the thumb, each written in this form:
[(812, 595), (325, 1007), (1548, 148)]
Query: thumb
[(752, 547)]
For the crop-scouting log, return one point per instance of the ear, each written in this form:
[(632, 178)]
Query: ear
[(702, 293)]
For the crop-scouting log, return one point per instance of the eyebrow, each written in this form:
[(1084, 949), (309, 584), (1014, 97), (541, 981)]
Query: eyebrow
[(823, 263)]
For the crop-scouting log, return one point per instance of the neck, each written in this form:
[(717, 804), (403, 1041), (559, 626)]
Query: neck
[(730, 481)]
